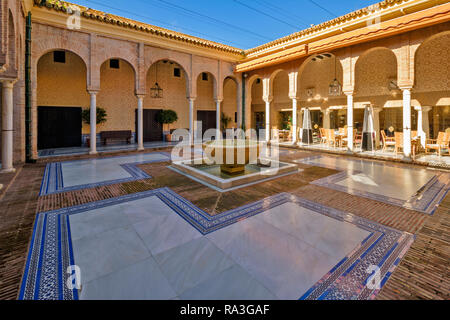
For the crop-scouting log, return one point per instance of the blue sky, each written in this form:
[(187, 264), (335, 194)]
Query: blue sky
[(241, 23)]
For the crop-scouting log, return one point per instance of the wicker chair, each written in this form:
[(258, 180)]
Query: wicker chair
[(387, 141), (442, 142), (331, 136), (398, 141), (345, 138), (323, 135)]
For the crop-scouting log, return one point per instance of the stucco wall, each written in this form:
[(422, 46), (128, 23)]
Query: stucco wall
[(229, 104), (62, 84), (174, 91)]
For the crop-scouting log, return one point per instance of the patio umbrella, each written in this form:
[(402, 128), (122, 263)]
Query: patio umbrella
[(368, 138), (307, 136)]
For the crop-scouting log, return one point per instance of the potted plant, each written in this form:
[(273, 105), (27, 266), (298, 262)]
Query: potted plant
[(166, 118), (86, 117), (224, 122)]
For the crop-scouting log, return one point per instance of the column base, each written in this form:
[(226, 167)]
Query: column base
[(10, 170), (407, 158), (140, 149), (92, 153)]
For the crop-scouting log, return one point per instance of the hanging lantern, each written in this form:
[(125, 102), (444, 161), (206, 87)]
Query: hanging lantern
[(335, 86), (156, 91)]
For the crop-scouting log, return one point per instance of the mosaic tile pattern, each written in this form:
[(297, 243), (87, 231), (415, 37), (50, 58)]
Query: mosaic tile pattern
[(426, 199), (53, 180), (51, 250)]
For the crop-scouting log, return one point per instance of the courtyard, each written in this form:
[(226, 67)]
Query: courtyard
[(142, 163), (138, 230)]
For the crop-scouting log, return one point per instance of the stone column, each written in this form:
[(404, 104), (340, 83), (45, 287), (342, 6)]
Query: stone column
[(140, 122), (191, 120), (268, 129), (376, 125), (93, 120), (407, 122), (300, 121), (7, 127), (350, 121), (218, 116), (326, 118), (423, 124), (294, 120)]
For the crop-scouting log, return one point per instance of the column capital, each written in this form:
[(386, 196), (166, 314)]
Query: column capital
[(218, 100), (325, 110), (93, 92), (348, 92), (8, 83), (267, 99), (191, 98), (405, 88), (377, 109), (293, 97), (140, 96)]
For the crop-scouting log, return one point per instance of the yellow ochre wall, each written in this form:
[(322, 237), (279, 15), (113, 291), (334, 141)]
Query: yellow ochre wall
[(62, 84)]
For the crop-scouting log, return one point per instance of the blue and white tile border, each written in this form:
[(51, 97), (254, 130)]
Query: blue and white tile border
[(426, 200), (53, 181), (51, 250)]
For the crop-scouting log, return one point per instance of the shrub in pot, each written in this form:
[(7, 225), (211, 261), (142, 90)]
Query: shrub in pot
[(86, 118), (166, 118)]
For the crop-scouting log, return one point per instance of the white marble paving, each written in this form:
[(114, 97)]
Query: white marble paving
[(190, 264), (89, 171), (394, 182), (141, 281), (285, 264), (144, 250)]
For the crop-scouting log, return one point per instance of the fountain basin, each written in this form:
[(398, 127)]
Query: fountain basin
[(232, 155), (214, 177)]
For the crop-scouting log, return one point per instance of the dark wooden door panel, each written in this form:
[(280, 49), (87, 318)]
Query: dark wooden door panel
[(153, 130), (208, 119), (59, 127)]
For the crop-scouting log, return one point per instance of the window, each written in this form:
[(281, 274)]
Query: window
[(258, 81), (59, 56), (177, 72), (114, 64), (204, 76), (235, 117)]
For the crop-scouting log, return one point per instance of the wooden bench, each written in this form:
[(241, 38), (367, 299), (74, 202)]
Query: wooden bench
[(116, 135)]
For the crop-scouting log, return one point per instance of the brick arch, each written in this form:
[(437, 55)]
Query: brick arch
[(12, 42), (196, 78), (97, 67), (156, 57), (380, 73), (49, 44), (305, 63), (277, 73), (325, 71), (61, 49), (431, 62), (186, 74)]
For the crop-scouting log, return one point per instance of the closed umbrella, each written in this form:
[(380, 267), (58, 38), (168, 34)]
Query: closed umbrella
[(368, 138), (307, 136)]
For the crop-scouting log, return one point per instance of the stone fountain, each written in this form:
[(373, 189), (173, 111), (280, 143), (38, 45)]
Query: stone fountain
[(232, 155), (231, 164)]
